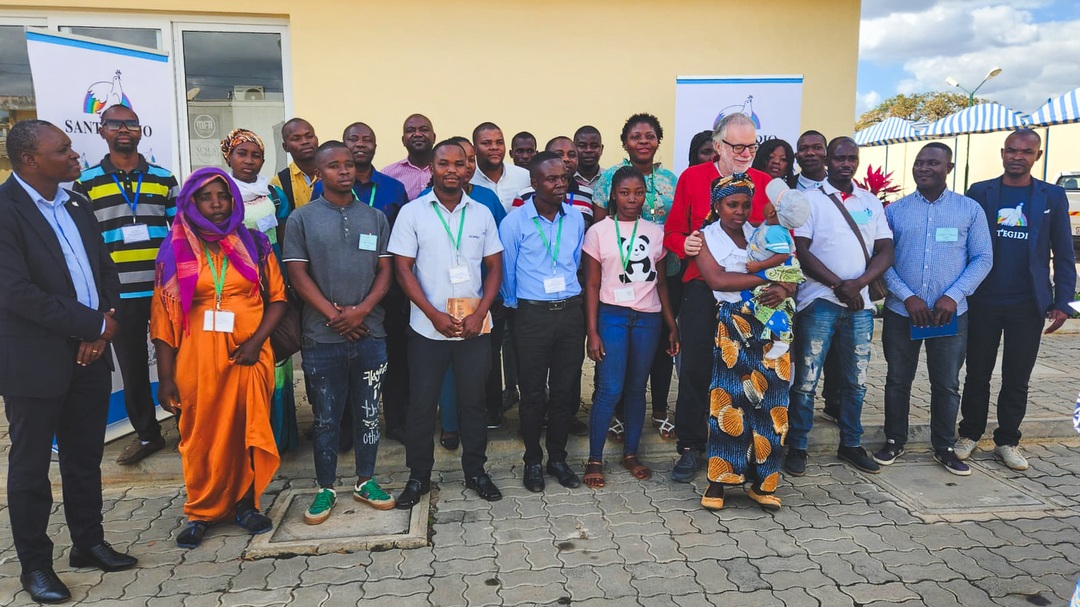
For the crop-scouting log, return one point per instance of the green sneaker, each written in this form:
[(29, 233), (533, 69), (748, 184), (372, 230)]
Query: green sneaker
[(320, 509), (371, 494)]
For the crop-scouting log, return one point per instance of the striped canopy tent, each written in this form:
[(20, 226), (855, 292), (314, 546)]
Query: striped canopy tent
[(981, 118), (890, 130), (1063, 110)]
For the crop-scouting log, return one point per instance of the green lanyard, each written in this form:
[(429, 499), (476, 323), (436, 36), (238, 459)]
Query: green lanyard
[(371, 200), (618, 239), (558, 240), (461, 226), (219, 281)]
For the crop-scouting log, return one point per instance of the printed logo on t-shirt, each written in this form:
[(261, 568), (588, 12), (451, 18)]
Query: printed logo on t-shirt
[(639, 268), (1013, 217)]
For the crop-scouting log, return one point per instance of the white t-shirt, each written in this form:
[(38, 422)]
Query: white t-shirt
[(514, 179), (727, 254), (833, 242), (420, 234)]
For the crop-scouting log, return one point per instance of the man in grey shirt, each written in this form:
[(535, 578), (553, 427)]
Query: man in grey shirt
[(335, 252)]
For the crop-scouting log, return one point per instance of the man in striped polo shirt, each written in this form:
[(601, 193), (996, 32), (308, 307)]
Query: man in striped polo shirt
[(134, 202)]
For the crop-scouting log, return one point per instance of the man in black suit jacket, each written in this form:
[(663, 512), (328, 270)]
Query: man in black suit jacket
[(1028, 219), (58, 289)]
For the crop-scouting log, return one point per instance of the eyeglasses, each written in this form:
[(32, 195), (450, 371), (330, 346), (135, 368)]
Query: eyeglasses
[(739, 148), (114, 124)]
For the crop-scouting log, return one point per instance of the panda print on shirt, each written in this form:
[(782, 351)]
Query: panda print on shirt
[(640, 267)]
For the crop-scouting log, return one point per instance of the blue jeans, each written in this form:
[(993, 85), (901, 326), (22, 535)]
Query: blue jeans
[(944, 357), (819, 327), (629, 347), (340, 375)]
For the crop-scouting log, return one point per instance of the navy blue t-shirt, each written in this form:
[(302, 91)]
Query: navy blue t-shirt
[(1009, 281)]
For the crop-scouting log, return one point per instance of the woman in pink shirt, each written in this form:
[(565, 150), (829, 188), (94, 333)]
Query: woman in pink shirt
[(626, 300)]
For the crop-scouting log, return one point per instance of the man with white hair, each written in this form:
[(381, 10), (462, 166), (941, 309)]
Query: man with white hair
[(735, 140)]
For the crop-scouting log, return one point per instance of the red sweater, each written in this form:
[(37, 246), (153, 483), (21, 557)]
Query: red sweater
[(693, 200)]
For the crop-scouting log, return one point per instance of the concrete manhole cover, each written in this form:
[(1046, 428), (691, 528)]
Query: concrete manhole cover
[(352, 526), (934, 494)]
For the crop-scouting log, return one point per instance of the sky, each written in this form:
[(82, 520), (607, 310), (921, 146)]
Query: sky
[(911, 46)]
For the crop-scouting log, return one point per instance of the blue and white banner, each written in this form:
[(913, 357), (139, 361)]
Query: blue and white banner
[(773, 102), (76, 78)]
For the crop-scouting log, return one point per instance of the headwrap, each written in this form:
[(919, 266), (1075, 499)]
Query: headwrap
[(722, 187), (178, 260), (236, 138)]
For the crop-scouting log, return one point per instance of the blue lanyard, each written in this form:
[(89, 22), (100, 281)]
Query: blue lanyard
[(133, 204)]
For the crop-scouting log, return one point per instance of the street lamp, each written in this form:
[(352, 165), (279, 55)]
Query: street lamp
[(971, 101)]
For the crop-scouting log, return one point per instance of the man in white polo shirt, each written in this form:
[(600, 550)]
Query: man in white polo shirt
[(442, 242), (834, 308), (492, 172)]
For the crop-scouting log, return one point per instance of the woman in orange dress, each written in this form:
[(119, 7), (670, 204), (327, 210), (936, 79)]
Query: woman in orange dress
[(215, 365)]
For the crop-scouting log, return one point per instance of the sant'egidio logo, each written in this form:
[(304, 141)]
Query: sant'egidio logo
[(105, 94), (746, 107)]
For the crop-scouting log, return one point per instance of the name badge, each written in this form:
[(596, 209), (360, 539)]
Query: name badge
[(266, 222), (861, 217), (136, 232), (947, 234), (624, 294), (555, 284), (369, 242), (218, 321), (459, 274)]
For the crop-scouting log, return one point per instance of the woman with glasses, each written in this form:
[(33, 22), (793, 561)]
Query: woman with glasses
[(218, 294), (641, 136), (266, 208)]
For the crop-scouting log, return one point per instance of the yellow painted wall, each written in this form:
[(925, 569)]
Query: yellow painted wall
[(544, 67), (1061, 153)]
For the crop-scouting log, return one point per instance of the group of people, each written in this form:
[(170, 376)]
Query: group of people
[(418, 289)]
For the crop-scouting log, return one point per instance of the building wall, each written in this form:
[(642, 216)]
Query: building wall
[(544, 67)]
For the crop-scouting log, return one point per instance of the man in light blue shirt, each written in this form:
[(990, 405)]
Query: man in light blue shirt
[(541, 252), (943, 252)]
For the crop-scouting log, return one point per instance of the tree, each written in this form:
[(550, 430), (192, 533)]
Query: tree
[(920, 107)]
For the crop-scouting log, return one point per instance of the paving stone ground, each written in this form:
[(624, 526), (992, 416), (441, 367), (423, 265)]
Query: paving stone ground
[(840, 540)]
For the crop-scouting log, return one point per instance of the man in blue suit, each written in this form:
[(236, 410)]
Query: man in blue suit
[(1028, 220), (58, 291)]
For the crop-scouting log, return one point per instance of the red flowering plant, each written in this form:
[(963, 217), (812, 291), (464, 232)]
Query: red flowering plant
[(879, 184)]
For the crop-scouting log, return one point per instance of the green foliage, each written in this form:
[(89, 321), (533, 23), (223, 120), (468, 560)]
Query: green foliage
[(924, 107)]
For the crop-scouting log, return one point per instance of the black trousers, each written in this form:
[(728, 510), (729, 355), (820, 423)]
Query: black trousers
[(494, 385), (550, 347), (1022, 326), (697, 329), (132, 353), (428, 361), (395, 386), (77, 420)]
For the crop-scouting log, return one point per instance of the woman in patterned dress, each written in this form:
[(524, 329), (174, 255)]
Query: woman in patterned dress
[(749, 393)]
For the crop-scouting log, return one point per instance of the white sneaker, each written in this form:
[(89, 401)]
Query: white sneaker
[(1010, 454), (964, 447)]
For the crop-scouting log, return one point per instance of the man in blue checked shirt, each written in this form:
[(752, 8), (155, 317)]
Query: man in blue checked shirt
[(541, 252), (943, 252)]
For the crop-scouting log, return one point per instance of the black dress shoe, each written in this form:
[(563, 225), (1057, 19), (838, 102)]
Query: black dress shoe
[(484, 487), (534, 478), (566, 477), (44, 586), (101, 556), (410, 495)]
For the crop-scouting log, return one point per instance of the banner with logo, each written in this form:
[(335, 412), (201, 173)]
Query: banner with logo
[(76, 78), (773, 102)]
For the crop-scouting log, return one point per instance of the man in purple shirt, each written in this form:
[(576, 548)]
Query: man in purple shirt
[(414, 171)]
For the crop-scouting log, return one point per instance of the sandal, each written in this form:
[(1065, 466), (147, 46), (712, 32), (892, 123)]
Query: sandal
[(192, 535), (254, 521), (713, 497), (636, 468), (767, 500), (617, 431), (594, 474), (667, 429)]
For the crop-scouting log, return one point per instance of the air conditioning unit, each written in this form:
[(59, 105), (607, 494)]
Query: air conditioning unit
[(248, 93)]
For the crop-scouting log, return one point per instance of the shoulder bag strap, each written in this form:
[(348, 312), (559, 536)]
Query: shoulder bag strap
[(850, 222), (285, 177)]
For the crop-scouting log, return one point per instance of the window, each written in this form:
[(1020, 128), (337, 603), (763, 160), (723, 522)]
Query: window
[(16, 86), (145, 37)]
